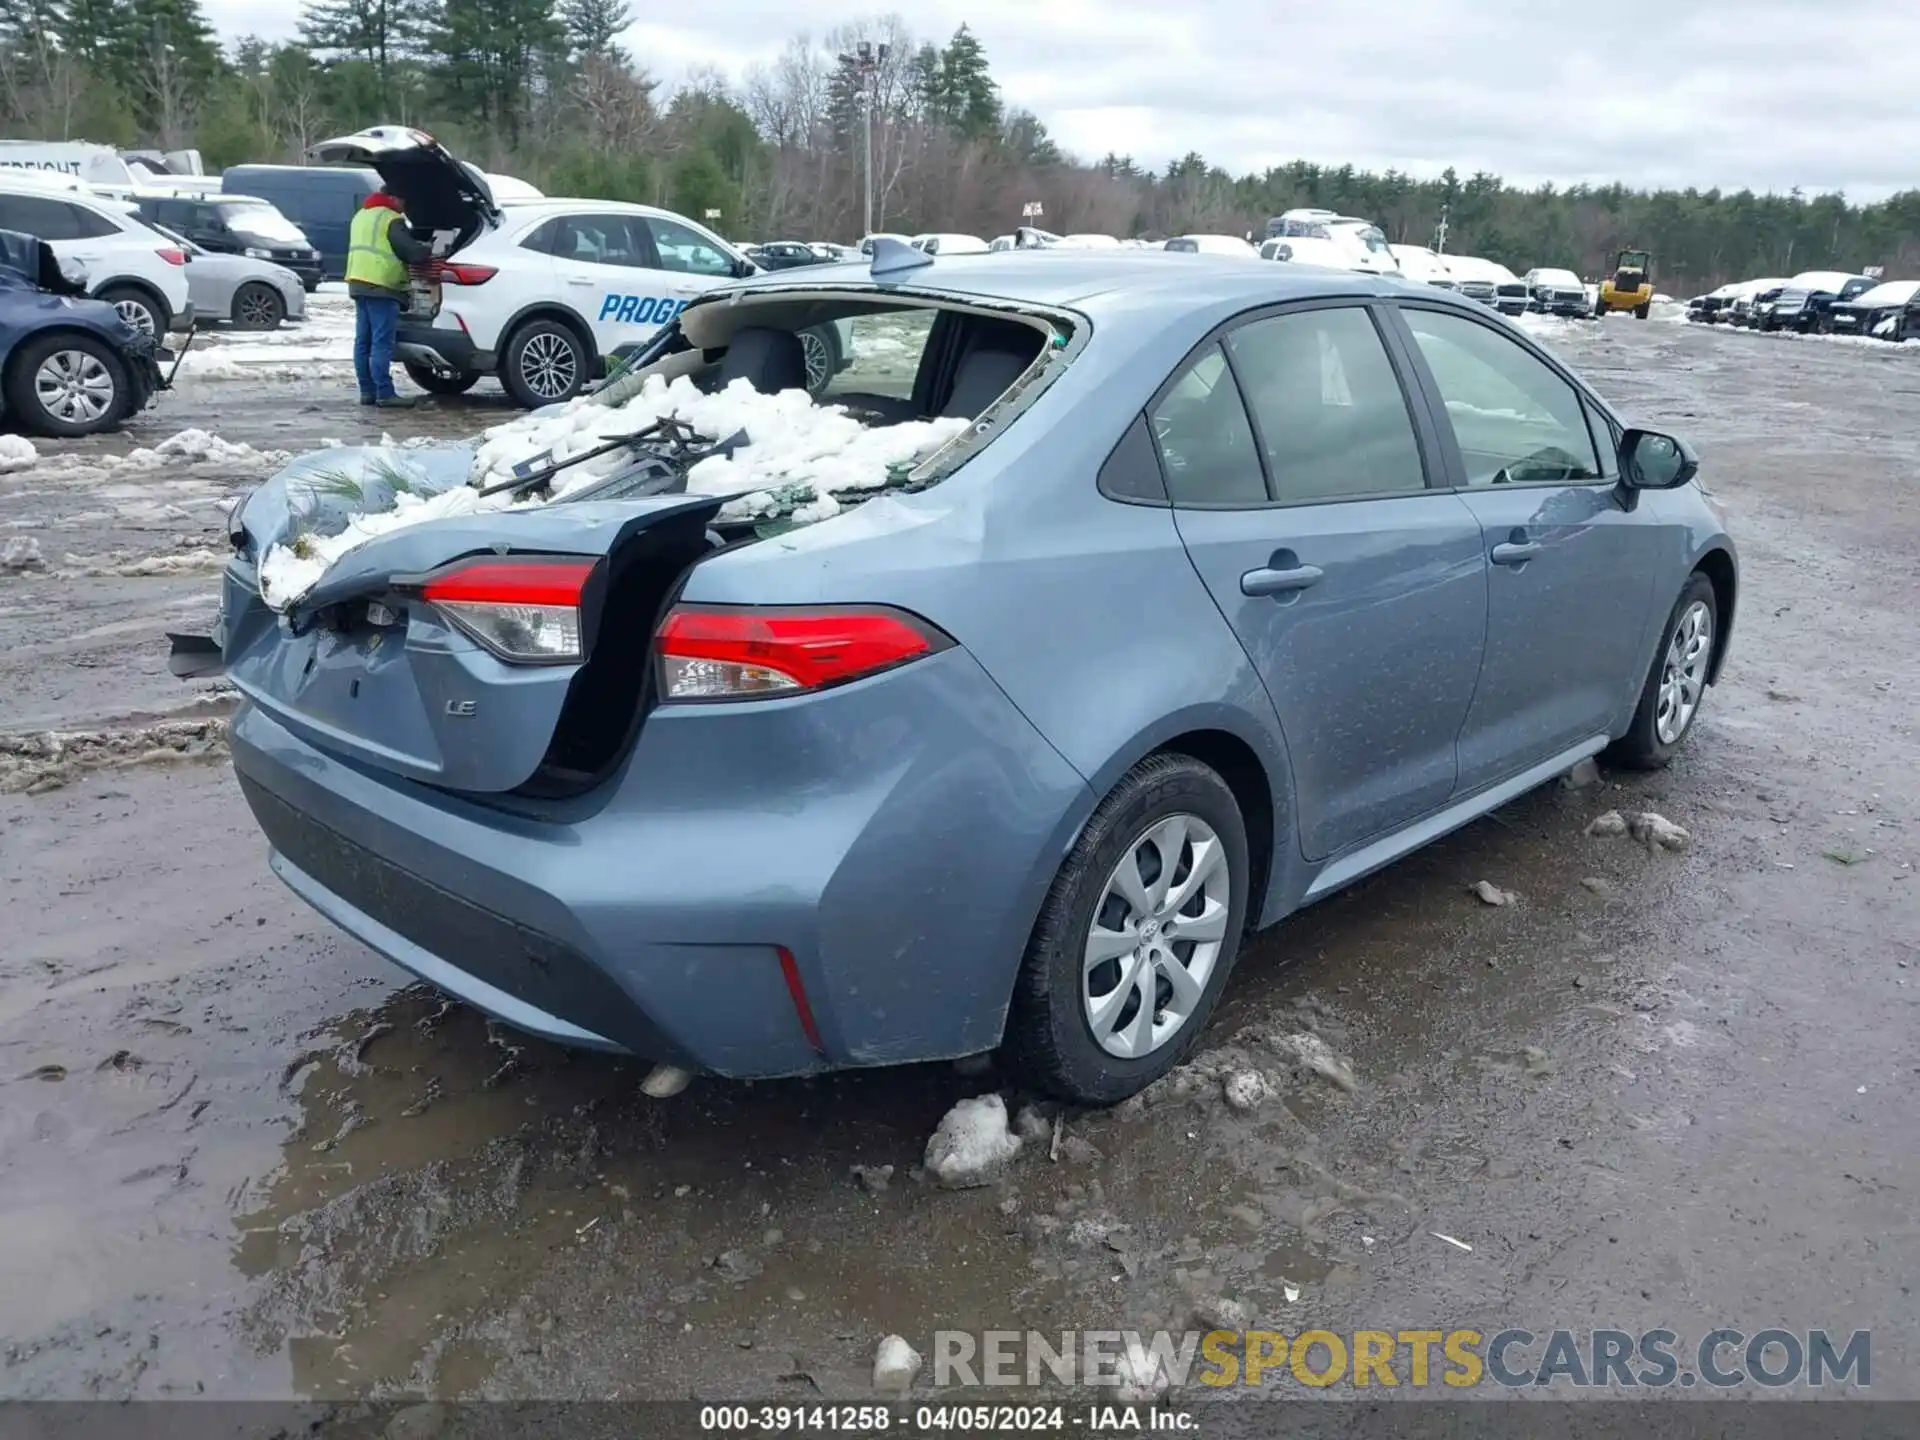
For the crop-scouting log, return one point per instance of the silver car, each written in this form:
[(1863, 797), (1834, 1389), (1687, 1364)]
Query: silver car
[(247, 294)]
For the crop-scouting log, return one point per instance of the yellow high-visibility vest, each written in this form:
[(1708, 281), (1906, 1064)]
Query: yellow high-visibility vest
[(370, 257)]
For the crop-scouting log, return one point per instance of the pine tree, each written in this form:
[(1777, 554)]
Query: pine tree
[(591, 26), (490, 54), (381, 33), (970, 100)]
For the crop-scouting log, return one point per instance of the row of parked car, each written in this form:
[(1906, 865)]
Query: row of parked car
[(1827, 302)]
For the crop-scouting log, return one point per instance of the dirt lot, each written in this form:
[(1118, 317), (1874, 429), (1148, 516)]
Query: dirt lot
[(240, 1157)]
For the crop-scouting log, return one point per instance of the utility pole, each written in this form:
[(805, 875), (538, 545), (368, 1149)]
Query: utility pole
[(1440, 233), (866, 60)]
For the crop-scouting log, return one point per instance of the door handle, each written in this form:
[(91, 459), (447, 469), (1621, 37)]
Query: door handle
[(576, 280), (1515, 552), (1283, 580)]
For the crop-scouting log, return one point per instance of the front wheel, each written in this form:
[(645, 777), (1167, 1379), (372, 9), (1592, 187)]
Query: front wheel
[(543, 364), (1677, 684), (1599, 309), (435, 382), (1136, 937), (137, 308), (68, 385)]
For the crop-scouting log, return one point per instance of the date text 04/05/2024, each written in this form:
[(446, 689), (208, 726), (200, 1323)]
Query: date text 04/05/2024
[(946, 1419)]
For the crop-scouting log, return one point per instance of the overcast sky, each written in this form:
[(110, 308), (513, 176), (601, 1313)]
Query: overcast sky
[(1762, 93)]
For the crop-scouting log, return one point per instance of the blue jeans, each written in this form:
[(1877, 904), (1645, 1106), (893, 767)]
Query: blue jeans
[(374, 321)]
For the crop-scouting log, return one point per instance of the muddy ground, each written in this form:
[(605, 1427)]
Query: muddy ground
[(239, 1156)]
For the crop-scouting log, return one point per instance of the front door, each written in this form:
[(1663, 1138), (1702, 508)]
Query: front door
[(1570, 567), (604, 265), (1296, 469)]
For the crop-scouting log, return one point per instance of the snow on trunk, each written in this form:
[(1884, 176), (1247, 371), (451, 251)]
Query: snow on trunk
[(798, 460)]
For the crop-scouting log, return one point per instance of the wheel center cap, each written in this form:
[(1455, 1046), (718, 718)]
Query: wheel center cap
[(1150, 929)]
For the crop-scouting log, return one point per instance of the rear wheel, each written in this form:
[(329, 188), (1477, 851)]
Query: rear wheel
[(67, 385), (1641, 311), (821, 346), (436, 382), (544, 363), (258, 306), (1676, 686), (1599, 309), (137, 308), (1136, 938)]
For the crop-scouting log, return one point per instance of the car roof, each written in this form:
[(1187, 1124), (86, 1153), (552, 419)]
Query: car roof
[(549, 206), (1095, 280)]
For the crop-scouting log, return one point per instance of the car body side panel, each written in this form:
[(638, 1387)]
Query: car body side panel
[(1086, 611), (887, 834)]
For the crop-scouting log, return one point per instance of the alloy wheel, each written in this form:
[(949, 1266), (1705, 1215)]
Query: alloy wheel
[(73, 386), (819, 363), (1156, 936), (257, 307), (1683, 674), (549, 365), (136, 314)]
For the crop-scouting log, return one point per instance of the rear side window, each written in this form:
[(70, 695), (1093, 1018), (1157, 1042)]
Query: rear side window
[(91, 224), (1205, 441), (602, 240), (1332, 417), (1516, 421)]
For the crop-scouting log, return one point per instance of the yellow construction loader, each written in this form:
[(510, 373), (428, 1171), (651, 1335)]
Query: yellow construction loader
[(1630, 287)]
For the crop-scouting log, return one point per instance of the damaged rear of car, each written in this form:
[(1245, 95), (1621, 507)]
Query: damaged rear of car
[(589, 724)]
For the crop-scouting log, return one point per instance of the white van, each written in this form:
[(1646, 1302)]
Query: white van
[(1362, 239)]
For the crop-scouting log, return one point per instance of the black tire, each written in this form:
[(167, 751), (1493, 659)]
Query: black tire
[(25, 405), (309, 285), (257, 306), (1640, 312), (538, 341), (435, 383), (1049, 1042), (1599, 309), (1641, 748), (124, 297)]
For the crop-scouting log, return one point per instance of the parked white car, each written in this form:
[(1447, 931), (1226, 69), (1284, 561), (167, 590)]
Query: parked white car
[(138, 271), (1364, 241), (545, 294), (945, 244), (1423, 267), (1211, 245), (1552, 291), (1489, 282)]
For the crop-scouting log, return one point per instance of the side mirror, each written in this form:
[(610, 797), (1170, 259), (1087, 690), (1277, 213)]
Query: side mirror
[(743, 268), (1652, 461)]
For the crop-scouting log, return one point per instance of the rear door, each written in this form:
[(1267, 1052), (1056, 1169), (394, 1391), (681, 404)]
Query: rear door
[(1298, 471), (604, 264), (1571, 568)]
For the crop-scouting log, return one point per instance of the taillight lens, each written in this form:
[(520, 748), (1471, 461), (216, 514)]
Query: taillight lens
[(452, 274), (172, 254), (754, 652), (523, 610)]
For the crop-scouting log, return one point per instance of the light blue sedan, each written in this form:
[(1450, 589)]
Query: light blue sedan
[(1239, 582)]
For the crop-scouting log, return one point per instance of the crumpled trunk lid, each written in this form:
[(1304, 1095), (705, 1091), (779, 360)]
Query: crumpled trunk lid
[(364, 667)]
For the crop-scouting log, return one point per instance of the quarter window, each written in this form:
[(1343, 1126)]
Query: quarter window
[(1517, 423), (1332, 418), (1205, 443), (90, 224)]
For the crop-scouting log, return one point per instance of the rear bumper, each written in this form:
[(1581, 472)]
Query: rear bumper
[(442, 349), (894, 838), (182, 320)]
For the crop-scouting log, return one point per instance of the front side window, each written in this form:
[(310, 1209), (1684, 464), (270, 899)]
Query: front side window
[(1516, 421), (1332, 417), (688, 252), (1205, 441)]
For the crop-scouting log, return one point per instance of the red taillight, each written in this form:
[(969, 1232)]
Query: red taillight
[(172, 255), (453, 274), (748, 652), (523, 610)]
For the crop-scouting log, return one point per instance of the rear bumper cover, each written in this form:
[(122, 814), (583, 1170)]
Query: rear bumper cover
[(442, 349), (894, 837)]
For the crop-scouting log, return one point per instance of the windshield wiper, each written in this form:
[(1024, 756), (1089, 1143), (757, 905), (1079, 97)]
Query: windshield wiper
[(666, 450)]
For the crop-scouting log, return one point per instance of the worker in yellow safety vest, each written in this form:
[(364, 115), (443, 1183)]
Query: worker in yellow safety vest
[(379, 249)]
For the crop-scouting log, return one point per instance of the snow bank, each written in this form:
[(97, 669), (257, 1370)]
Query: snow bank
[(198, 447), (799, 459), (16, 453)]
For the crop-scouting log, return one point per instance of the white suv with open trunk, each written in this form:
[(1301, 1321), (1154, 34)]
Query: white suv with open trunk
[(545, 294)]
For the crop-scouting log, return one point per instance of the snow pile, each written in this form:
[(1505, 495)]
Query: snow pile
[(16, 453), (289, 571), (798, 458), (972, 1145), (199, 447), (797, 452)]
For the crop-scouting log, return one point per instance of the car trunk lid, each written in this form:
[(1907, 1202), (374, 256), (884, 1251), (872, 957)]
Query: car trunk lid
[(367, 666), (441, 194)]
